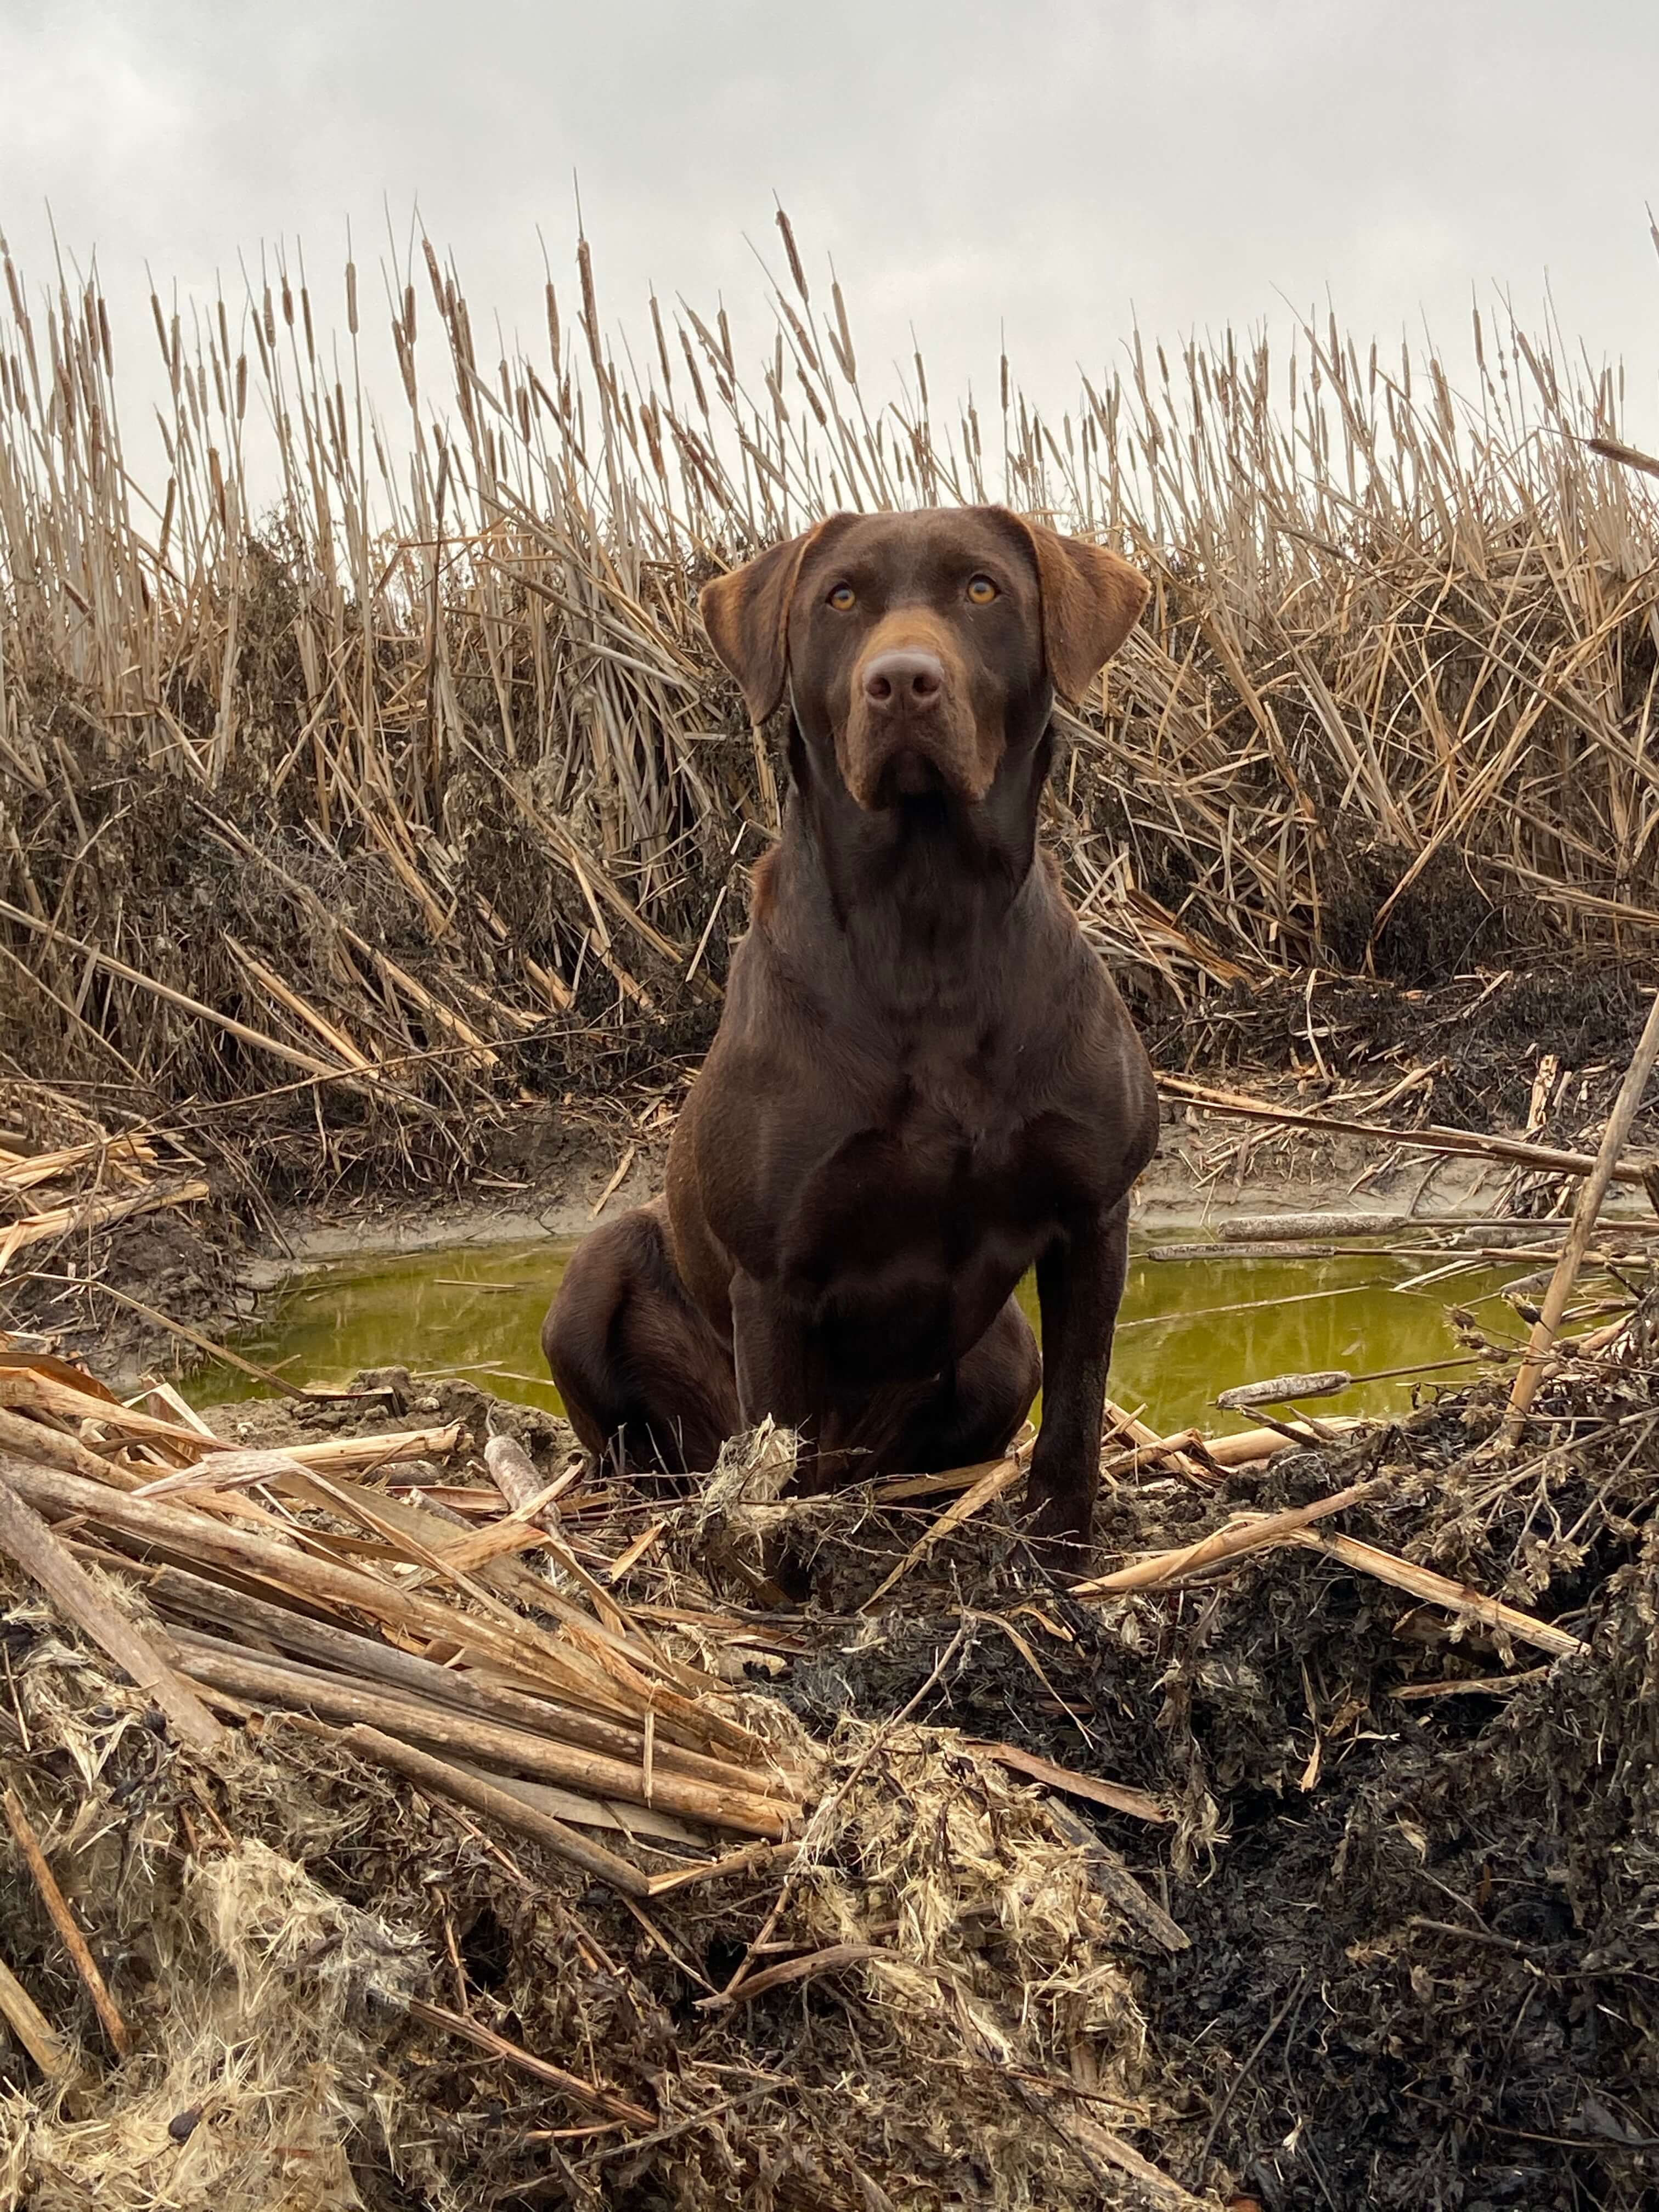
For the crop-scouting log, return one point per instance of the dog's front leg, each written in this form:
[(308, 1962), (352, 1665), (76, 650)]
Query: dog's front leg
[(770, 1353), (768, 1350), (1079, 1285), (777, 1373)]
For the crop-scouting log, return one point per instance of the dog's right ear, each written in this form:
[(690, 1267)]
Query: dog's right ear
[(746, 616)]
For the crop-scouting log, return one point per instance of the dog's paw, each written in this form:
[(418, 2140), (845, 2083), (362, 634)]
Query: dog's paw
[(1057, 1529)]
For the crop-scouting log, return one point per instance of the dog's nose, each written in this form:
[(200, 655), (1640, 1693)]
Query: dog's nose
[(897, 681)]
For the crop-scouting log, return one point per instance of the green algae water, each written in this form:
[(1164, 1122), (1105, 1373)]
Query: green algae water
[(1188, 1328)]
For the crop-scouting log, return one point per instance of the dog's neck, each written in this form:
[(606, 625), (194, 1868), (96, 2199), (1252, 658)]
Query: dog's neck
[(924, 896)]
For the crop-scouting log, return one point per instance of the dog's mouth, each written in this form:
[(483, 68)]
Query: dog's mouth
[(911, 774), (917, 765)]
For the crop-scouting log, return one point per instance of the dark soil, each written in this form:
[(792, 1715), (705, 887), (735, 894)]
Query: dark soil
[(1423, 1956)]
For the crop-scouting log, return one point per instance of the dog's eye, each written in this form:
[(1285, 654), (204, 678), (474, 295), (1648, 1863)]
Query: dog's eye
[(842, 598), (981, 591)]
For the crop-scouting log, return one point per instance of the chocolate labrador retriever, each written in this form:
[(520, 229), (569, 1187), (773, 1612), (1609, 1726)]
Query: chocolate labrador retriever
[(924, 1081)]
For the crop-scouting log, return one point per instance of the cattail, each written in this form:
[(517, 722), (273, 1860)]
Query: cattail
[(812, 401), (590, 304), (795, 268), (844, 354), (691, 364)]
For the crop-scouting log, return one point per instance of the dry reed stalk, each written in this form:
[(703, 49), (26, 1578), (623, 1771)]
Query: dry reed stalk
[(77, 1220), (754, 1858), (1471, 1605), (440, 1778), (33, 1440), (1250, 1446), (1137, 1803), (119, 1157), (1251, 1533), (514, 1473), (43, 1556), (58, 1909), (646, 1823), (353, 1455), (1002, 1474), (221, 1352), (32, 2028), (1148, 1444), (1467, 1143), (1296, 1525), (211, 1663), (176, 1593), (30, 1385), (493, 2045)]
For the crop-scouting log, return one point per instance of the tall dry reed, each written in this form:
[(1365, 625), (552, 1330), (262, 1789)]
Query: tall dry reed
[(400, 780)]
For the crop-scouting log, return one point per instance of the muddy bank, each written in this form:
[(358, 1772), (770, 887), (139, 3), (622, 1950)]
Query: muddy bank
[(1537, 1052), (1372, 1928)]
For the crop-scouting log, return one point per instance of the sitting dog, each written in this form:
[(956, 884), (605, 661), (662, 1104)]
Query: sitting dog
[(924, 1082)]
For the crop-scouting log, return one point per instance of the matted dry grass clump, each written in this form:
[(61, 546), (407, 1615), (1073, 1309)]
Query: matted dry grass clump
[(266, 1917), (245, 1983)]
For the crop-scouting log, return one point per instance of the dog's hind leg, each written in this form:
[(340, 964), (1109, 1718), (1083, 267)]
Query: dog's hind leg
[(648, 1384)]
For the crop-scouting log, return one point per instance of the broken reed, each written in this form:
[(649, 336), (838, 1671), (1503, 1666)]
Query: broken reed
[(374, 754)]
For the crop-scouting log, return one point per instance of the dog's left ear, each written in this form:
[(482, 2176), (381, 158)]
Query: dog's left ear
[(746, 616), (1090, 602)]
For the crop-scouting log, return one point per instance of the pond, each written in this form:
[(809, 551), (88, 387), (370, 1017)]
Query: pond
[(1188, 1328)]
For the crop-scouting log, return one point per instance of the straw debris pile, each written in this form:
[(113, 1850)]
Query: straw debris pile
[(397, 1817), (373, 1850), (66, 1182)]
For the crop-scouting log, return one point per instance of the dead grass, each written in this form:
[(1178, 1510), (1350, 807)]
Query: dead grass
[(416, 789)]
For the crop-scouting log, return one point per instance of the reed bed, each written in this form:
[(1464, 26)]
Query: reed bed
[(370, 772)]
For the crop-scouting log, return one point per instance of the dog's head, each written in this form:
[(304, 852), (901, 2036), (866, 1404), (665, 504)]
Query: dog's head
[(919, 648)]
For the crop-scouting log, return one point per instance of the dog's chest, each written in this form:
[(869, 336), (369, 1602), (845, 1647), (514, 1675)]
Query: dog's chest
[(956, 1116), (944, 1168)]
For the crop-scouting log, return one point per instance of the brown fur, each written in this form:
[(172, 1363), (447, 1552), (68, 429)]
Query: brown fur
[(924, 1081)]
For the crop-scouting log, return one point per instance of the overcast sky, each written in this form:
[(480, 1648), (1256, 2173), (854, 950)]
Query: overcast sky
[(1052, 166)]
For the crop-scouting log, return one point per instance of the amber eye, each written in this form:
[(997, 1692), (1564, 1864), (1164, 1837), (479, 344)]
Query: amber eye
[(842, 598), (981, 591)]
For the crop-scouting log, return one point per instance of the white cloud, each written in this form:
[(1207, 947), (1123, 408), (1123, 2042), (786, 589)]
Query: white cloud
[(966, 166)]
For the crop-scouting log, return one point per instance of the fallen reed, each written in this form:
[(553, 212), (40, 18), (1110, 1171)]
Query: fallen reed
[(372, 768)]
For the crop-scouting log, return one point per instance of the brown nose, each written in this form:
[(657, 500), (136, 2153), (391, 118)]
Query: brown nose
[(896, 682)]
